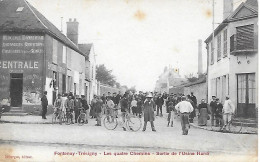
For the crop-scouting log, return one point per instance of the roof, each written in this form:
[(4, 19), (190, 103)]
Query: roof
[(251, 5), (85, 48), (28, 20)]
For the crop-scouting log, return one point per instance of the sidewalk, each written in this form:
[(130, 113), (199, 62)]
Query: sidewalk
[(244, 130), (28, 119)]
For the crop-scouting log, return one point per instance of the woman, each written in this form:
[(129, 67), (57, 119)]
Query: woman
[(203, 113), (149, 107)]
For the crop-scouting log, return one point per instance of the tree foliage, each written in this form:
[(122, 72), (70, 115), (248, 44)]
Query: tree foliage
[(105, 76)]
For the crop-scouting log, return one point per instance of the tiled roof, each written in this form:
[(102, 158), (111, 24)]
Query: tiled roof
[(28, 20), (85, 48)]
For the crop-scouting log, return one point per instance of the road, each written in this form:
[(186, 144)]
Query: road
[(40, 141)]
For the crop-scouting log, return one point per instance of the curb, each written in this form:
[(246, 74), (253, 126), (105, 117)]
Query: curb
[(19, 122), (205, 128)]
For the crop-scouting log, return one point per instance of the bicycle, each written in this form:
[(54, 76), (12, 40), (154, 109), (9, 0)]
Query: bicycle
[(234, 125), (133, 123), (217, 124), (82, 117), (69, 117), (56, 116)]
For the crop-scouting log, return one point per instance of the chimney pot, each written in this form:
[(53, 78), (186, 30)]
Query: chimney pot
[(69, 19), (75, 19)]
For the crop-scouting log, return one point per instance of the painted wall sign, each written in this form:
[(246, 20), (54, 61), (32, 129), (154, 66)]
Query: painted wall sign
[(19, 64), (22, 44)]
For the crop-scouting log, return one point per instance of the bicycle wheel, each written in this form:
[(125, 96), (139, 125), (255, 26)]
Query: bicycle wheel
[(54, 118), (81, 119), (235, 126), (110, 122), (134, 123), (68, 120)]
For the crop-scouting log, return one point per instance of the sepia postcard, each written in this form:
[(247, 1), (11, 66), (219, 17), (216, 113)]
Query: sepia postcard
[(129, 80)]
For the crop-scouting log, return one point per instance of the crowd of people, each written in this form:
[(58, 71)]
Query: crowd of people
[(146, 105)]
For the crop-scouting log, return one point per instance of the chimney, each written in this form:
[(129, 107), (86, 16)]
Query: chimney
[(199, 57), (72, 30), (228, 8)]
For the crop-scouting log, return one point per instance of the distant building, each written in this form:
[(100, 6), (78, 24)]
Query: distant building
[(233, 60), (168, 79)]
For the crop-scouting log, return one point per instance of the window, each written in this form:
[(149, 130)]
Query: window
[(246, 88), (245, 37), (213, 87), (64, 54), (212, 52), (219, 47), (54, 51), (225, 43)]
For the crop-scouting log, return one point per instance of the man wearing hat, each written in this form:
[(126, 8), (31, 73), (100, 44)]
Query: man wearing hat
[(185, 108), (149, 107)]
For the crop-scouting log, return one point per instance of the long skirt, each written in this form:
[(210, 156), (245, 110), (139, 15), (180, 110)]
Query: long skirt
[(203, 117)]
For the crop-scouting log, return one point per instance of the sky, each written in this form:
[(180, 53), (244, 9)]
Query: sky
[(136, 39)]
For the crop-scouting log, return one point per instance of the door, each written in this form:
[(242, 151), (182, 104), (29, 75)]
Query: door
[(246, 95), (16, 89)]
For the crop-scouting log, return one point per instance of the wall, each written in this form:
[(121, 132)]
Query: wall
[(199, 90), (22, 53)]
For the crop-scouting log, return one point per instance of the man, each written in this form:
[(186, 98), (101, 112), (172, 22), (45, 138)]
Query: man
[(170, 109), (98, 111), (110, 106), (228, 111), (159, 103), (70, 107), (116, 102), (213, 107), (184, 107), (149, 107), (218, 115), (44, 101), (192, 114), (93, 107), (77, 106), (85, 106), (58, 107), (124, 107)]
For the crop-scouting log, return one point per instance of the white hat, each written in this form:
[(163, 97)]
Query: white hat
[(149, 95)]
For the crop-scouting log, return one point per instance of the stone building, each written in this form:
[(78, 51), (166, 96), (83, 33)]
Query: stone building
[(233, 57), (35, 56)]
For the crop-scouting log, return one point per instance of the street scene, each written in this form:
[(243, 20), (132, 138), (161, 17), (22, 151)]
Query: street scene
[(129, 80)]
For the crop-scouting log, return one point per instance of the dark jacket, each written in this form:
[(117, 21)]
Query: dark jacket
[(98, 106), (160, 101), (44, 100), (84, 103), (149, 108), (124, 104)]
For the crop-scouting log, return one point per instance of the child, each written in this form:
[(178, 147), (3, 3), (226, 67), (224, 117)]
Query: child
[(170, 106), (134, 106)]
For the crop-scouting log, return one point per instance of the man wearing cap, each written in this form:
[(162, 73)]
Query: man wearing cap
[(149, 107), (184, 107), (228, 110), (213, 107)]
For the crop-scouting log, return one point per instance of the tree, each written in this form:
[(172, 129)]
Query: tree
[(105, 76), (191, 77)]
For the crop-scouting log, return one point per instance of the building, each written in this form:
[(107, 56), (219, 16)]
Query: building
[(90, 84), (233, 58), (35, 56), (168, 79)]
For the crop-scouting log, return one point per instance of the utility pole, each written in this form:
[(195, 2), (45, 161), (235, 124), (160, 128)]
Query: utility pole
[(213, 22)]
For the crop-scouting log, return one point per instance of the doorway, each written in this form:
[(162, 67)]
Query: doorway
[(246, 94), (16, 89)]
